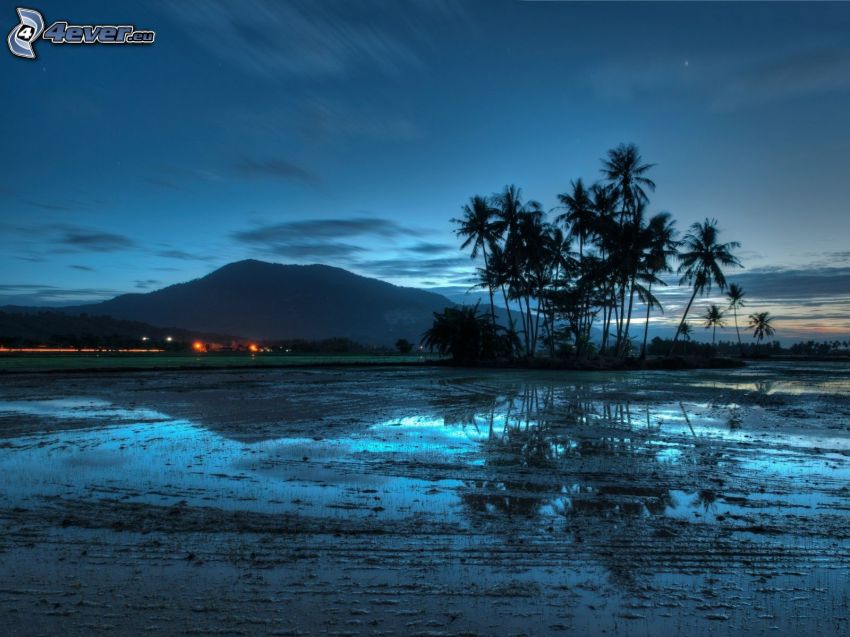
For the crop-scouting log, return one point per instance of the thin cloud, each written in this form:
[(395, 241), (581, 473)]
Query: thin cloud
[(182, 255), (75, 239), (728, 80), (345, 228), (25, 294), (276, 169), (308, 39), (423, 247), (319, 251), (799, 283), (144, 284), (412, 268), (812, 72), (54, 207)]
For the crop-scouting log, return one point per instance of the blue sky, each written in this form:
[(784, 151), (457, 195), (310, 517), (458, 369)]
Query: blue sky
[(349, 133)]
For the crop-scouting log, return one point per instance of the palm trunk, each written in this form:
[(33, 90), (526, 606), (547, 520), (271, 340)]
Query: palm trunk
[(646, 326), (523, 321), (682, 322), (536, 326), (604, 329), (629, 317), (551, 329), (612, 310), (489, 287), (620, 309), (740, 344), (616, 313), (510, 317)]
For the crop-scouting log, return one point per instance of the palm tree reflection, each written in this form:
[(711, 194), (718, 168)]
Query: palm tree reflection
[(562, 453)]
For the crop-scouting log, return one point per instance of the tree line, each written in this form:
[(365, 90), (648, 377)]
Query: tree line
[(583, 265)]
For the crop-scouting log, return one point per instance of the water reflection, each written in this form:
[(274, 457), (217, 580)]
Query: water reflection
[(578, 462), (554, 452)]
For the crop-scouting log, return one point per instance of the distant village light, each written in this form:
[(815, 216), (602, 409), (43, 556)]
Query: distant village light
[(198, 346), (168, 339), (253, 348)]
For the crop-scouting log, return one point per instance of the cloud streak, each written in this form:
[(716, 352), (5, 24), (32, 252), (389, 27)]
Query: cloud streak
[(339, 228), (26, 294), (307, 39), (76, 239), (322, 239), (275, 169)]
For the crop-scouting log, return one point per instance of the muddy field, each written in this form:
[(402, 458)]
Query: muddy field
[(427, 502)]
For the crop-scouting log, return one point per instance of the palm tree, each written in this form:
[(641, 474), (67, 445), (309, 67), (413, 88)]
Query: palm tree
[(702, 262), (735, 296), (580, 214), (714, 319), (478, 229), (533, 251), (605, 231), (760, 323), (462, 333), (510, 211), (499, 276), (509, 208), (625, 170), (651, 302), (685, 330), (660, 246)]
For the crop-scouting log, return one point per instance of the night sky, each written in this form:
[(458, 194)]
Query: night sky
[(349, 133)]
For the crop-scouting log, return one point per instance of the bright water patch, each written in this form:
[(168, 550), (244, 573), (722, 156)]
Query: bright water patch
[(156, 460)]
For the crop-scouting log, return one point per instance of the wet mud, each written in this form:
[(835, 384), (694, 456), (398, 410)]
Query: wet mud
[(427, 502)]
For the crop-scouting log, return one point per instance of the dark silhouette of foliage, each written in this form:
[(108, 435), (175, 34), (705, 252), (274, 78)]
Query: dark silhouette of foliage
[(702, 263), (465, 335), (584, 269), (403, 346), (761, 324), (735, 296), (714, 319)]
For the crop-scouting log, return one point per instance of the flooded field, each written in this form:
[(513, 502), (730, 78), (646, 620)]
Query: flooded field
[(423, 501)]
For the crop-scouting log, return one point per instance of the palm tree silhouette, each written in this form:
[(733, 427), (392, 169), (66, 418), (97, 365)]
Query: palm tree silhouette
[(604, 230), (499, 276), (580, 214), (478, 229), (462, 333), (714, 319), (760, 323), (625, 170), (659, 247), (511, 212), (620, 252), (735, 296), (702, 262)]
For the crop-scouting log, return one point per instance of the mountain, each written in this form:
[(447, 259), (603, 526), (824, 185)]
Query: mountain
[(269, 301)]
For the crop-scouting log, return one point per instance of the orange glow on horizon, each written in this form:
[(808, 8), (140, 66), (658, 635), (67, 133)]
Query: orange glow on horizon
[(74, 350), (253, 348), (198, 346)]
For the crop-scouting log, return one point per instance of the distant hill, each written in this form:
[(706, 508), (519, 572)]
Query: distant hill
[(267, 301)]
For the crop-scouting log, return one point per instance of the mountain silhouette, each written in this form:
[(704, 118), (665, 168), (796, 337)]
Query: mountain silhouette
[(270, 301)]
